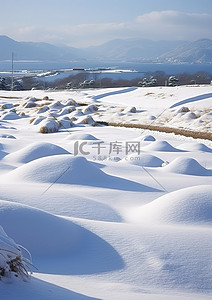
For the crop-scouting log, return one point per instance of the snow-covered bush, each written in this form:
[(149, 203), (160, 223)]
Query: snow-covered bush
[(71, 102), (12, 262), (86, 120), (130, 109), (49, 126), (7, 106), (90, 109), (29, 104)]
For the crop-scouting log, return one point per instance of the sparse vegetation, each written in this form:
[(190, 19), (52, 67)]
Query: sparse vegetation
[(12, 261), (80, 81)]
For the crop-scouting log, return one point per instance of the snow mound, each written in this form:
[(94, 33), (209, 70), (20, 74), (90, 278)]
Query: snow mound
[(67, 169), (144, 160), (189, 116), (191, 205), (149, 138), (35, 151), (129, 109), (161, 146), (90, 109), (2, 154), (36, 121), (187, 166), (48, 126), (5, 167), (194, 147), (82, 136), (86, 120), (33, 228), (10, 116), (57, 245), (7, 136)]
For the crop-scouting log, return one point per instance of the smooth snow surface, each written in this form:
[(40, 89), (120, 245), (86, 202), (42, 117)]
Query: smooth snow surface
[(82, 136), (188, 166), (145, 160), (195, 147), (34, 151), (107, 212), (160, 146), (187, 206)]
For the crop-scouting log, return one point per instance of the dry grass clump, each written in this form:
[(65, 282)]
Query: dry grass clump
[(88, 120), (43, 108), (90, 108), (71, 102), (56, 104), (206, 110), (29, 104), (12, 262), (16, 266), (4, 106), (73, 119), (36, 120), (22, 114), (149, 93), (71, 109), (49, 126), (31, 120), (185, 109), (133, 109), (45, 98), (44, 104), (65, 122)]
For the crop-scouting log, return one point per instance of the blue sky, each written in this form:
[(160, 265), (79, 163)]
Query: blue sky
[(82, 23)]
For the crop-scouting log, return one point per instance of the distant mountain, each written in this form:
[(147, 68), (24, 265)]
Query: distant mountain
[(142, 50), (35, 51), (132, 49), (194, 52)]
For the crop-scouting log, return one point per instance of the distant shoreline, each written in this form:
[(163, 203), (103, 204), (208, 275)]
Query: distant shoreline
[(22, 65)]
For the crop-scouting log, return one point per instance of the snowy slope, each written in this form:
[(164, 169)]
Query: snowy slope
[(107, 212)]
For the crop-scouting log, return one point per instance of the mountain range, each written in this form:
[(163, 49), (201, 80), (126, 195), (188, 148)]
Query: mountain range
[(142, 50)]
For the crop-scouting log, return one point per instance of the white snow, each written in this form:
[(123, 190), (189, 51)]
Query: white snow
[(107, 212), (188, 166), (34, 151), (186, 206)]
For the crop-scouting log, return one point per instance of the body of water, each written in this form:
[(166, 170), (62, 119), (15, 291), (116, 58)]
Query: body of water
[(170, 69)]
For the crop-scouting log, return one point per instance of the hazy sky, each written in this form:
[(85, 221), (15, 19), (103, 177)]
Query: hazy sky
[(82, 23)]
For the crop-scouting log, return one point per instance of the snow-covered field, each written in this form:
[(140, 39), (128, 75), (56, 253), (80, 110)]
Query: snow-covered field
[(106, 212)]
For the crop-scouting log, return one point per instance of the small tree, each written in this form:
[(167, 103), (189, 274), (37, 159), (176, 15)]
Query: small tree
[(151, 81), (4, 84), (172, 81)]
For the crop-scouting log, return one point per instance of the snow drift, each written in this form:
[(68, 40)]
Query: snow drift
[(144, 160), (195, 147), (35, 151), (81, 136), (191, 205), (187, 166), (67, 169), (59, 245), (161, 146)]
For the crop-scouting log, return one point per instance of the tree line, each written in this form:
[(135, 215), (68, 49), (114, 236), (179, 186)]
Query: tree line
[(79, 81)]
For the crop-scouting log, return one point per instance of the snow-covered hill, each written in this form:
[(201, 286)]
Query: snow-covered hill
[(107, 212)]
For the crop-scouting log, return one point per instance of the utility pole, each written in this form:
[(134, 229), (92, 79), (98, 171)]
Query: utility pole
[(100, 79), (12, 84)]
